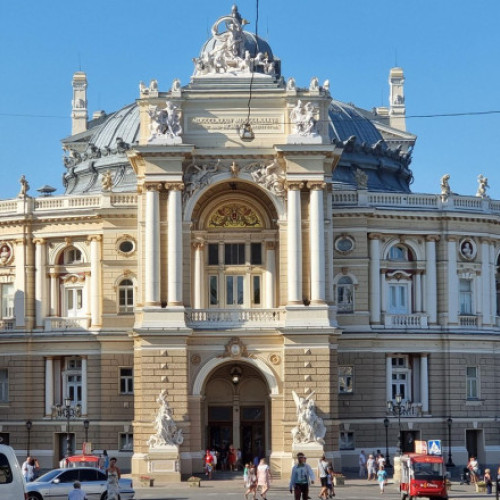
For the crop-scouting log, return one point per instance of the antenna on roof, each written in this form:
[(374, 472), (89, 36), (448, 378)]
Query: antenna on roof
[(396, 57), (267, 29), (79, 61)]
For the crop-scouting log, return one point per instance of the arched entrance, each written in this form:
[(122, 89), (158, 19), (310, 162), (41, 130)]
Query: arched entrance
[(237, 409)]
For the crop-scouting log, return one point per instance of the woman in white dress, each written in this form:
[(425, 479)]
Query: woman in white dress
[(114, 475)]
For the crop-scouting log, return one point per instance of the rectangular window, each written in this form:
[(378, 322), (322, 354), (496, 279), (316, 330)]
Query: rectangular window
[(346, 441), (213, 254), (7, 291), (234, 254), (345, 379), (472, 382), (398, 299), (4, 385), (234, 290), (256, 289), (126, 381), (256, 254), (74, 386), (126, 441), (213, 290), (465, 287)]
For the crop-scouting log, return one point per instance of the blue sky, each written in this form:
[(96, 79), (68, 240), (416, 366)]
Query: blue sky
[(448, 49)]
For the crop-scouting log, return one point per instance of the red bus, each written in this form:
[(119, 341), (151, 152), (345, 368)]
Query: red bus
[(422, 476)]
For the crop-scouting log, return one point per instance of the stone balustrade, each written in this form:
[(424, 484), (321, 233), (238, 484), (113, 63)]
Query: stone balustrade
[(217, 318), (417, 320)]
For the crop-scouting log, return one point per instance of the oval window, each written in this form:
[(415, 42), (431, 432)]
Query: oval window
[(126, 246)]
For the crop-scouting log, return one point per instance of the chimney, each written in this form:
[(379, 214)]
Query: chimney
[(397, 107), (79, 114)]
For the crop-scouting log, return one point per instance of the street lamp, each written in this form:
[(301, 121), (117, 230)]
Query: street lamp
[(396, 409), (450, 461), (68, 412), (29, 425), (86, 425), (387, 460)]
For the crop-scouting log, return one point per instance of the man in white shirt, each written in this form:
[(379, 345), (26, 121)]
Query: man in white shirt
[(302, 475)]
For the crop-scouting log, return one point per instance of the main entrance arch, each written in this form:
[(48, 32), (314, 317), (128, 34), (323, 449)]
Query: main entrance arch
[(236, 408)]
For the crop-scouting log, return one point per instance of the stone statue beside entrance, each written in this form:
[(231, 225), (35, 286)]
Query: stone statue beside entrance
[(167, 433), (310, 428)]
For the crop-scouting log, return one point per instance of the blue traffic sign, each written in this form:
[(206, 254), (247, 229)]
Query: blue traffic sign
[(434, 447)]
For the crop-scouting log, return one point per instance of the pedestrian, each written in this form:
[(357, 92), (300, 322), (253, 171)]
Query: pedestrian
[(114, 476), (77, 493), (380, 460), (28, 469), (104, 460), (370, 465), (251, 483), (323, 477), (362, 464), (209, 464), (381, 478), (487, 480), (263, 478), (302, 475), (331, 489)]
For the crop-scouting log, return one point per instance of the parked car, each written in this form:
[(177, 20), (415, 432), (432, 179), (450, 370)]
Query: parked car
[(56, 484), (11, 477)]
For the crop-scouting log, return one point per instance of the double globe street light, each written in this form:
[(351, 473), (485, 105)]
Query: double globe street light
[(397, 408), (68, 412)]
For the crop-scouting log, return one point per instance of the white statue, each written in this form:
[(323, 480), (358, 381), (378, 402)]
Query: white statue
[(310, 428), (24, 187), (303, 118), (482, 187), (164, 122), (153, 85), (167, 433), (271, 177), (290, 84), (176, 85), (361, 179), (196, 177), (314, 84), (445, 187), (326, 85)]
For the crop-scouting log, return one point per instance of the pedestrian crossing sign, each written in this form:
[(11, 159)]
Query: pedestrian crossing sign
[(434, 447)]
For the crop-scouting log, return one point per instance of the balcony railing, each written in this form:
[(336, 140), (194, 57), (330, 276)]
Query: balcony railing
[(223, 318), (416, 320), (466, 320), (64, 324), (7, 324)]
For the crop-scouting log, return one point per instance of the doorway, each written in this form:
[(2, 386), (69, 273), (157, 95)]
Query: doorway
[(408, 439), (253, 436), (474, 444)]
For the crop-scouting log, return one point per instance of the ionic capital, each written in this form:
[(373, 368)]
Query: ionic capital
[(375, 236), (198, 245), (94, 237), (153, 186), (294, 185), (316, 185), (432, 237), (39, 241), (174, 186), (270, 245), (452, 238)]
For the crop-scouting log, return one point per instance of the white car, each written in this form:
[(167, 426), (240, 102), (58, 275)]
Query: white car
[(11, 477), (56, 484)]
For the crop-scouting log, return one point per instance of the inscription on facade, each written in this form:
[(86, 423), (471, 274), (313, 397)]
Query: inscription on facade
[(229, 123)]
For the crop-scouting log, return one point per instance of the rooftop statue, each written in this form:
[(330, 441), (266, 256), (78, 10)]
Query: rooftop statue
[(228, 51), (482, 187), (23, 193), (445, 187)]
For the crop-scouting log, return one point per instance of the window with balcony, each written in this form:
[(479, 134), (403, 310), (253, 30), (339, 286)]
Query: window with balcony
[(345, 295), (126, 381), (401, 378), (472, 383), (465, 297), (72, 380), (7, 292), (126, 297), (346, 379), (4, 385)]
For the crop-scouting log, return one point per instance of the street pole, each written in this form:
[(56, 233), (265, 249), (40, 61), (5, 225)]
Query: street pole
[(450, 461), (387, 459), (68, 412), (29, 424)]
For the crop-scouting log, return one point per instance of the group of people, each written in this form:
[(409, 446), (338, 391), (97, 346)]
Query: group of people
[(303, 475), (113, 488), (257, 479), (472, 474), (373, 468), (222, 459)]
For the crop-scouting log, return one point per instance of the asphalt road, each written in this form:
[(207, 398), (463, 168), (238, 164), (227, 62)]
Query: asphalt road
[(232, 489)]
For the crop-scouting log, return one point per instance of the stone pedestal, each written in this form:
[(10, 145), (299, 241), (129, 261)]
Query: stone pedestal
[(163, 464), (313, 452), (396, 462)]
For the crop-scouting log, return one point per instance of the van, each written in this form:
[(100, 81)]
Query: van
[(11, 477)]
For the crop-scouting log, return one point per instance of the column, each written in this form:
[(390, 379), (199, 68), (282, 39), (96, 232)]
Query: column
[(374, 277), (174, 243), (152, 246), (493, 285), (485, 280), (49, 386), (40, 281), (424, 383), (54, 294), (270, 274), (430, 278), (329, 246), (388, 378), (294, 243), (88, 288), (317, 241), (20, 282), (197, 278), (84, 386), (452, 281), (95, 285), (418, 292)]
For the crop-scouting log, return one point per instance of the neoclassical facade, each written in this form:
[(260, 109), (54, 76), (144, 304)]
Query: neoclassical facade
[(250, 251)]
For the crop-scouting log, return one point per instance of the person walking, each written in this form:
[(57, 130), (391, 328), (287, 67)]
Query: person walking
[(381, 478), (487, 481), (323, 477), (28, 469), (251, 483), (77, 493), (370, 464), (302, 475), (263, 478), (114, 476), (362, 464), (209, 464)]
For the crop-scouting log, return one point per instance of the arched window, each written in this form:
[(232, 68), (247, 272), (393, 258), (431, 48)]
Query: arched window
[(399, 252), (345, 295), (126, 297), (72, 256)]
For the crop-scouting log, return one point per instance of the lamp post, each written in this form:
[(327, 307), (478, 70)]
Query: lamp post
[(68, 412), (86, 425), (29, 425), (450, 461), (387, 460), (396, 409)]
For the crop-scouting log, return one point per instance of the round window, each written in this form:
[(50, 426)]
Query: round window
[(344, 244), (126, 246)]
